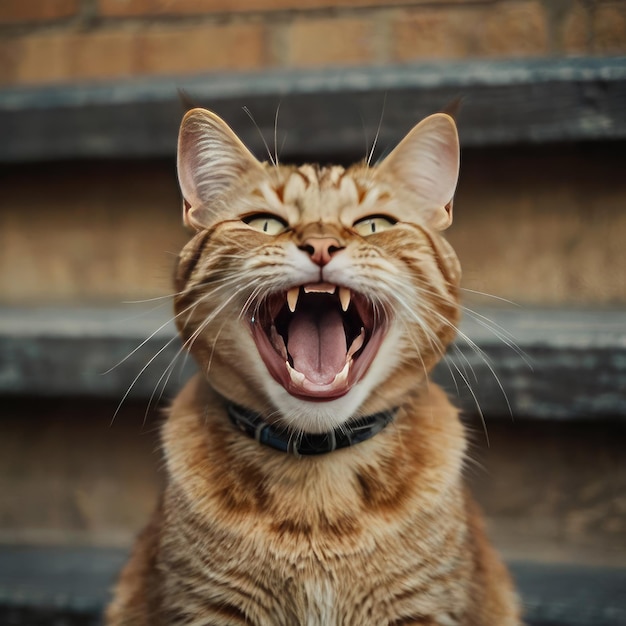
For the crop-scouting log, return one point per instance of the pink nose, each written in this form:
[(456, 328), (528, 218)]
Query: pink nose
[(321, 249)]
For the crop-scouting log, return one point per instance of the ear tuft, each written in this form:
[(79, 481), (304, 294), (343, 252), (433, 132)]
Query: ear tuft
[(211, 160), (426, 162)]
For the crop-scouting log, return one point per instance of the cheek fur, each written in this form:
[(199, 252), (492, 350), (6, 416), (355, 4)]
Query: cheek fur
[(395, 270)]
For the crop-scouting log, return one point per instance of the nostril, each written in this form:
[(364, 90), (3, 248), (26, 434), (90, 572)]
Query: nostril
[(308, 248), (321, 249)]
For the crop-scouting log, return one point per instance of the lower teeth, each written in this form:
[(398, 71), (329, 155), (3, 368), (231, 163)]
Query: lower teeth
[(296, 376), (278, 343)]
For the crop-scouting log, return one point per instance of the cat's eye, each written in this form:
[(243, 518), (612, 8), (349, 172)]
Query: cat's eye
[(266, 223), (373, 224)]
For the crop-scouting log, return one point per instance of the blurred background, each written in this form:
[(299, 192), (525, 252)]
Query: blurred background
[(90, 223)]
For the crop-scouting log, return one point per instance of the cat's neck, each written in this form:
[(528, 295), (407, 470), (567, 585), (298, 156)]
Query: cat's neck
[(424, 445)]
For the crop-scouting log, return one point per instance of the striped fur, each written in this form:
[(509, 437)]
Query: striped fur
[(382, 534)]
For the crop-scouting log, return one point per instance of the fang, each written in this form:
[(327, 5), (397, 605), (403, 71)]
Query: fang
[(344, 297), (296, 376), (292, 298)]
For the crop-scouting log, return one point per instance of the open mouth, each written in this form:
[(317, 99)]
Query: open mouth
[(318, 340)]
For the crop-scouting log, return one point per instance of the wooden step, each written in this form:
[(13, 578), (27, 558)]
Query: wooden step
[(42, 585), (504, 102), (561, 364)]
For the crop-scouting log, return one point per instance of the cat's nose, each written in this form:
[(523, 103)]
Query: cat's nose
[(321, 249)]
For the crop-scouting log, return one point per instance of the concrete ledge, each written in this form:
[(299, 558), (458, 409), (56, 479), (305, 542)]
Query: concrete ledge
[(323, 113), (44, 584), (552, 364)]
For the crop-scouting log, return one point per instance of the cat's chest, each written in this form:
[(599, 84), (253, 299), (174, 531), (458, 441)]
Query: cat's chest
[(327, 602), (320, 598)]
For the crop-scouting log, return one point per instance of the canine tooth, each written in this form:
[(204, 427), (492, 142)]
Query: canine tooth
[(357, 343), (343, 375), (345, 297), (296, 376), (292, 298)]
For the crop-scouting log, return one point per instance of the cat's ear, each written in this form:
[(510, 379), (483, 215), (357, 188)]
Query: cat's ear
[(211, 160), (426, 161)]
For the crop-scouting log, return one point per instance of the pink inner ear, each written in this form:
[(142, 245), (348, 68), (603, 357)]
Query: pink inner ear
[(211, 159), (186, 218), (187, 164), (431, 160)]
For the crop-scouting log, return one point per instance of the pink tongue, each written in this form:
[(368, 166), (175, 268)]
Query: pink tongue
[(317, 345)]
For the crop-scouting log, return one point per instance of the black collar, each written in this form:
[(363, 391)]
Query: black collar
[(355, 431)]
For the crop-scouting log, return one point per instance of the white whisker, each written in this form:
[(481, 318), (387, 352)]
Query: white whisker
[(489, 295), (143, 369), (267, 148), (380, 123), (500, 333), (155, 299), (143, 343), (480, 411), (276, 135)]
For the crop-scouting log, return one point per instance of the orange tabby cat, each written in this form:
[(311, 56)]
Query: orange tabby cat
[(314, 474)]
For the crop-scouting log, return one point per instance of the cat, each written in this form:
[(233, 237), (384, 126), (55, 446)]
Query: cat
[(314, 473)]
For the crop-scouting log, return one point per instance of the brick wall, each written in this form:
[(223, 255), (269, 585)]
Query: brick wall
[(43, 41)]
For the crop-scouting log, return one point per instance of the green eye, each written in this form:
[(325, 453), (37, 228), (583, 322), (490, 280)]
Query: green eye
[(266, 223), (373, 224)]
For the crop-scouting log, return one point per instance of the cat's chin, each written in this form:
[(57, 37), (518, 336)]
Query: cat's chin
[(317, 417), (318, 340)]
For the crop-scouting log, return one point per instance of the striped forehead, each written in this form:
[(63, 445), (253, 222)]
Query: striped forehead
[(320, 193)]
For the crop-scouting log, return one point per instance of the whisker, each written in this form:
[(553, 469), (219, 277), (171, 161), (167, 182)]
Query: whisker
[(189, 310), (217, 336), (276, 135), (429, 333), (143, 369), (500, 333), (155, 299), (464, 361), (186, 346), (434, 341), (380, 123), (168, 370), (267, 148), (490, 295), (481, 353), (143, 343), (480, 411)]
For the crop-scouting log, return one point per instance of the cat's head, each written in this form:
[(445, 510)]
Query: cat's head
[(315, 294)]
